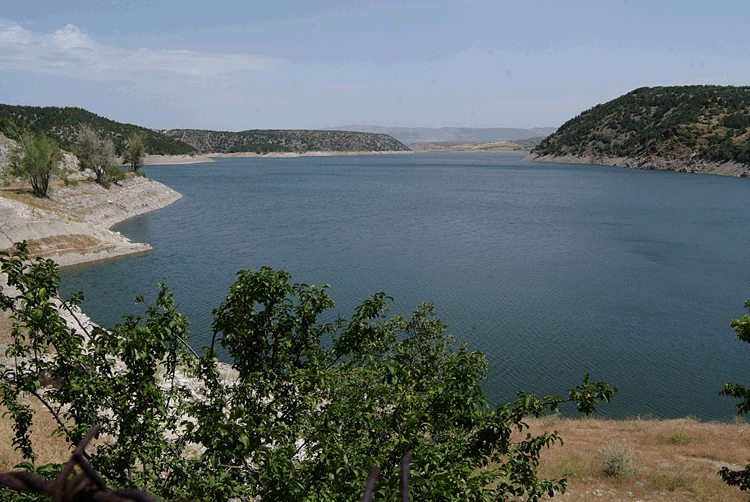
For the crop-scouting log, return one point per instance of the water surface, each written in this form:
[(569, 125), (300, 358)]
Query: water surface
[(552, 270)]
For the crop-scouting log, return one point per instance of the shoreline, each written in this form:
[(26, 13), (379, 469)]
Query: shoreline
[(163, 160), (688, 165), (73, 225), (282, 155)]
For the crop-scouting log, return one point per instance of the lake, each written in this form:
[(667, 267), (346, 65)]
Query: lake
[(552, 270)]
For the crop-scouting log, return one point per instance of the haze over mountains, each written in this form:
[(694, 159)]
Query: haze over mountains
[(464, 134)]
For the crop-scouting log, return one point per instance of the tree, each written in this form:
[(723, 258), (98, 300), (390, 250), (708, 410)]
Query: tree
[(314, 408), (95, 153), (135, 151), (36, 158), (741, 478)]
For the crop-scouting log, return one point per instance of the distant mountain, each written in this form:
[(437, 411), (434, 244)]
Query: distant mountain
[(409, 135), (63, 124), (298, 141), (660, 128)]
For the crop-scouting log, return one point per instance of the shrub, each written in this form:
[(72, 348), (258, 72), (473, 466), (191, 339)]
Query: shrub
[(618, 460), (679, 438)]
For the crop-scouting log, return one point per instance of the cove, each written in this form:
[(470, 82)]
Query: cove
[(552, 270)]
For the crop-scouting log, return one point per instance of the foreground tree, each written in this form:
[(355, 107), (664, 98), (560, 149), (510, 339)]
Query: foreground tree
[(36, 159), (741, 478), (95, 153), (135, 151), (314, 408)]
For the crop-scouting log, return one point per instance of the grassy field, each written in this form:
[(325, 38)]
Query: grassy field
[(649, 460)]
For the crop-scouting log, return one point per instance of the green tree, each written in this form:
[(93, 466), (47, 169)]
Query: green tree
[(741, 478), (314, 408), (36, 159), (95, 153), (135, 151)]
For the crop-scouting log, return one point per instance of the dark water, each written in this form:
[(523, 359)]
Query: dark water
[(551, 270)]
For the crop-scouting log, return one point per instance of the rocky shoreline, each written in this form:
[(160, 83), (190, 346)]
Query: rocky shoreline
[(688, 165), (73, 225)]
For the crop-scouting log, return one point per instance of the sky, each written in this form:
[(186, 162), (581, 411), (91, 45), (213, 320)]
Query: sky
[(292, 64)]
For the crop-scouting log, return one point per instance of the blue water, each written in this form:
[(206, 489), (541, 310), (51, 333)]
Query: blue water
[(552, 270)]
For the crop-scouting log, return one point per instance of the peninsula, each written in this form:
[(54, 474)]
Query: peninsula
[(73, 224), (697, 129)]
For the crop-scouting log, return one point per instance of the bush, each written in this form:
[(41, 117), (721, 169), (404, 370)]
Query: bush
[(618, 460), (679, 438)]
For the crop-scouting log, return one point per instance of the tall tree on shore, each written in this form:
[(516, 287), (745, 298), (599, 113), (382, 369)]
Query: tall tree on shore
[(135, 151), (36, 158), (95, 153)]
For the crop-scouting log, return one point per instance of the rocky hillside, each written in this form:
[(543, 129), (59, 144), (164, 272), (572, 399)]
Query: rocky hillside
[(297, 141), (660, 126)]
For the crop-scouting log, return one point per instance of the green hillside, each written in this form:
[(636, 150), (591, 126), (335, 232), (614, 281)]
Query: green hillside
[(63, 124), (298, 141), (708, 122)]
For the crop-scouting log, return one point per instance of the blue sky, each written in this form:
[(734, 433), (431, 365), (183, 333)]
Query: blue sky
[(310, 64)]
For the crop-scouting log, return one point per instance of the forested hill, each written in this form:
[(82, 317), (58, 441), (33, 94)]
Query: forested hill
[(64, 124), (710, 123), (298, 141)]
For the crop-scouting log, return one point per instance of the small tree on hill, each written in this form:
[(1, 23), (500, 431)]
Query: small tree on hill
[(95, 153), (135, 151), (36, 159)]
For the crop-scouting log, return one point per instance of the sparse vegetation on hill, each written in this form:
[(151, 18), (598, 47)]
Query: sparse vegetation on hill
[(708, 122), (298, 141)]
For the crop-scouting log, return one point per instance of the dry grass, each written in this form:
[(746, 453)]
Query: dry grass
[(671, 459), (47, 446)]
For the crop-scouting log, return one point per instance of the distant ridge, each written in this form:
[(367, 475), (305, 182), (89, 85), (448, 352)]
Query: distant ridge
[(409, 135), (285, 140), (64, 124)]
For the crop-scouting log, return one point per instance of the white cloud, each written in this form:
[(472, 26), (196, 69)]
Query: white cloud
[(71, 37), (70, 52)]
